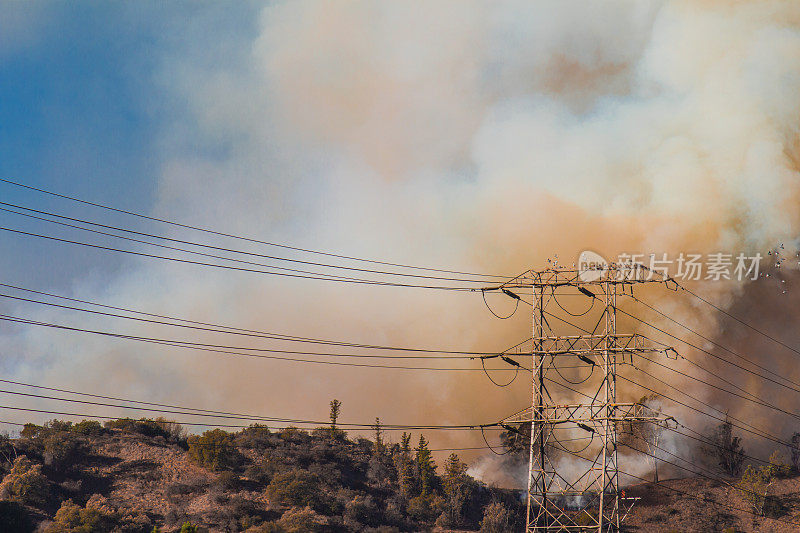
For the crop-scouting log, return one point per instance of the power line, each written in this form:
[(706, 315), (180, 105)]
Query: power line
[(277, 258), (321, 277), (684, 493), (709, 340), (713, 354), (216, 328), (238, 237), (354, 427), (197, 346), (762, 434), (737, 319)]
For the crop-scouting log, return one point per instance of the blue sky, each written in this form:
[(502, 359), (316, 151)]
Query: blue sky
[(84, 104)]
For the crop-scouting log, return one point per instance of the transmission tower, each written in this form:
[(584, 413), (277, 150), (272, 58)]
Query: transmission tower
[(566, 493)]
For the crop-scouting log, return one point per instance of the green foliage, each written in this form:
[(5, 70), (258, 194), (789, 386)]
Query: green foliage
[(754, 486), (187, 527), (30, 431), (159, 427), (456, 486), (361, 511), (62, 450), (404, 466), (425, 467), (378, 447), (91, 428), (295, 520), (726, 448), (59, 425), (336, 406), (295, 487), (72, 518), (425, 507), (496, 519), (778, 468), (25, 483), (213, 449)]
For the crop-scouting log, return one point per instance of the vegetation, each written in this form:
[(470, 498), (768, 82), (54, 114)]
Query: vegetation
[(87, 477), (213, 449), (25, 483), (726, 448)]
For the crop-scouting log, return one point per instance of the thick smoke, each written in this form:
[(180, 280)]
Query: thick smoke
[(482, 136)]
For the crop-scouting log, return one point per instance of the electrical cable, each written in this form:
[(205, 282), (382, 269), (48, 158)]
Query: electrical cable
[(222, 234), (179, 344), (194, 252), (358, 281), (215, 328), (516, 306), (707, 339)]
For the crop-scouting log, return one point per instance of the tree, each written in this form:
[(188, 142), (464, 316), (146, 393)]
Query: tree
[(727, 448), (425, 467), (455, 483), (643, 435), (404, 465), (754, 486), (335, 407), (214, 450), (796, 451), (378, 446), (496, 519)]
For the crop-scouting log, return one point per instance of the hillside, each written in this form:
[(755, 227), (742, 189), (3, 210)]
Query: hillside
[(147, 475), (133, 476)]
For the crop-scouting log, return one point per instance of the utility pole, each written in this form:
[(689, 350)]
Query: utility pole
[(586, 496)]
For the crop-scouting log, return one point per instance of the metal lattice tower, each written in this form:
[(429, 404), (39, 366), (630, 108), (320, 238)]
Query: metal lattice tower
[(588, 499)]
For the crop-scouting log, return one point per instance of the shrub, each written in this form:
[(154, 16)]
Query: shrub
[(496, 519), (795, 451), (59, 425), (72, 518), (25, 483), (264, 470), (361, 510), (213, 449), (228, 481), (91, 428), (294, 435), (254, 437), (425, 508), (30, 431), (295, 520), (726, 448), (62, 450), (295, 487), (754, 486), (777, 468), (159, 427), (8, 452)]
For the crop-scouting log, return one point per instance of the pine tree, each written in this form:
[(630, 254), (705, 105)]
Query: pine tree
[(404, 465), (426, 468), (378, 446), (335, 407), (455, 483)]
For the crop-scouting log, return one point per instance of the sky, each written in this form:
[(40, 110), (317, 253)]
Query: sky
[(470, 136)]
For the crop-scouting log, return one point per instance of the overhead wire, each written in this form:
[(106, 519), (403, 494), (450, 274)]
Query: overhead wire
[(238, 237), (196, 346), (194, 252), (322, 277)]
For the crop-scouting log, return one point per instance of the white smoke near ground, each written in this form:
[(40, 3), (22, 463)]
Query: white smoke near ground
[(481, 136)]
